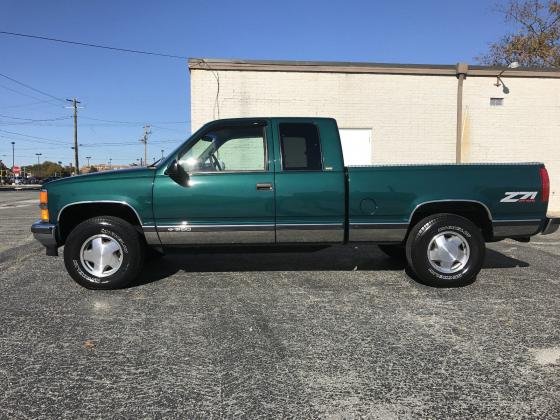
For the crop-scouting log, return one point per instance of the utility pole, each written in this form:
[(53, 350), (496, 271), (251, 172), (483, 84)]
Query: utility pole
[(13, 155), (38, 167), (144, 140), (75, 103)]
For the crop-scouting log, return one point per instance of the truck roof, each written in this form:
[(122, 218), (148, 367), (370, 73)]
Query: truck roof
[(264, 119)]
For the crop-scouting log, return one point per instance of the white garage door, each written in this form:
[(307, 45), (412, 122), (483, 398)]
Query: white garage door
[(356, 146)]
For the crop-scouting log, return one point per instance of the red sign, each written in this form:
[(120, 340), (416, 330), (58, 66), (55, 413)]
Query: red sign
[(16, 170)]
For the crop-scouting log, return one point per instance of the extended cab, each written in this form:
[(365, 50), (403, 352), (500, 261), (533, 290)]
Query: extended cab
[(282, 181)]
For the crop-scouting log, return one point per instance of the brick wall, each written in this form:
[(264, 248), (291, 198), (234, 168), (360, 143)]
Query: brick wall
[(412, 117)]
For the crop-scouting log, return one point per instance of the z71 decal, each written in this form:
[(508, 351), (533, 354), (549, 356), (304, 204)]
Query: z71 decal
[(520, 197)]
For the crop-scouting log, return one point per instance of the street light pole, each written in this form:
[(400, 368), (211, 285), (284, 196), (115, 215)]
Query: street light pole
[(88, 158), (38, 154), (13, 155)]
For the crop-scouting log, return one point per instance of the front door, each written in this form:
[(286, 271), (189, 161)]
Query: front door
[(228, 197)]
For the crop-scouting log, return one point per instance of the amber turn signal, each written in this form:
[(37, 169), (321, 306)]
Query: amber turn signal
[(43, 204), (43, 197)]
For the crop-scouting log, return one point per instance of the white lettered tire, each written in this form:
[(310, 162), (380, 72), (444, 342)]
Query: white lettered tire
[(103, 253), (445, 250)]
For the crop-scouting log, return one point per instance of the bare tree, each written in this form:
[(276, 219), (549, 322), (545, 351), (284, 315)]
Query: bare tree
[(536, 40)]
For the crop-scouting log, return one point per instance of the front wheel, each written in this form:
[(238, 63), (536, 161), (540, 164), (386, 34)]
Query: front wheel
[(103, 253), (445, 250)]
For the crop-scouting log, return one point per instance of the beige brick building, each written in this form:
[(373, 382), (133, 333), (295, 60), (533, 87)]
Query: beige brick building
[(397, 113)]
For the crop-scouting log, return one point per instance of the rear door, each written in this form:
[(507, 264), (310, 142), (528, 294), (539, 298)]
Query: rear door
[(310, 183)]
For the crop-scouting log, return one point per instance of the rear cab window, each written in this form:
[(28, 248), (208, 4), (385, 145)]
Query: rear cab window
[(301, 147)]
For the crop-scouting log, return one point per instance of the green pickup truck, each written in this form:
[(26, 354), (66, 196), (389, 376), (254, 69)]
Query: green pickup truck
[(282, 182)]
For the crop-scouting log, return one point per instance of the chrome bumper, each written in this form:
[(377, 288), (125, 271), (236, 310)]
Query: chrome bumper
[(46, 234), (551, 225)]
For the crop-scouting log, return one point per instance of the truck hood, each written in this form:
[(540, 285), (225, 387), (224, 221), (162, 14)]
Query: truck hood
[(102, 176)]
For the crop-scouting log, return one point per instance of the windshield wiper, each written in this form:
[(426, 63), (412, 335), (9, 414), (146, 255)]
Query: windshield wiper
[(155, 163)]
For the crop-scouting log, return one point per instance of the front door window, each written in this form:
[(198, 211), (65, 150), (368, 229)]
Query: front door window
[(227, 149)]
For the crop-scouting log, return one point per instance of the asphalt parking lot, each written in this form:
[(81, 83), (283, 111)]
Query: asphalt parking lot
[(340, 332)]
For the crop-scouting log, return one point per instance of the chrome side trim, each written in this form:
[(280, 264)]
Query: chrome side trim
[(450, 201), (310, 226), (151, 235), (508, 228), (185, 234), (519, 221), (213, 228), (99, 201), (310, 232), (377, 232)]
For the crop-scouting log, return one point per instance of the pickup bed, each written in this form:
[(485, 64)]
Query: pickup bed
[(281, 182)]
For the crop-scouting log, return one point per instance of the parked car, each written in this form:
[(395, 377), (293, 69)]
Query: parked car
[(280, 182), (49, 179), (31, 181)]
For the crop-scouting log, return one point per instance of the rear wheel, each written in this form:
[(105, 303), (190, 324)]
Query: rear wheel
[(103, 253), (395, 251), (445, 250)]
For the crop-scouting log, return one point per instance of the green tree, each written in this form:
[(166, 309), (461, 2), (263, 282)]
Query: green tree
[(3, 171), (93, 169), (46, 169), (535, 41)]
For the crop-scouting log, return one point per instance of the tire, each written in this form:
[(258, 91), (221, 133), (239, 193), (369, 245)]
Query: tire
[(108, 239), (445, 250), (395, 251)]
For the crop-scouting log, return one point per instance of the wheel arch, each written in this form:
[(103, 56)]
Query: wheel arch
[(476, 211), (73, 214)]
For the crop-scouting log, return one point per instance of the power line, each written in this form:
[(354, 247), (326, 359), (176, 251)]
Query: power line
[(50, 101), (32, 88), (109, 144), (30, 104), (134, 122), (65, 117), (85, 44), (32, 137)]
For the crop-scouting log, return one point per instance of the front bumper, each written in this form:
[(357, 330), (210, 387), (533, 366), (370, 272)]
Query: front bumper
[(45, 233), (551, 225)]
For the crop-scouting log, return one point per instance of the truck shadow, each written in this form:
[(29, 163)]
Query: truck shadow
[(337, 258)]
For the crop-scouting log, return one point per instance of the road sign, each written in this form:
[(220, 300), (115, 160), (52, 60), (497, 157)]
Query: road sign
[(16, 170)]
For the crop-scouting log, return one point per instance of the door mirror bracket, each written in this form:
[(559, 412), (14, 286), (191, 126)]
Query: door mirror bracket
[(177, 173)]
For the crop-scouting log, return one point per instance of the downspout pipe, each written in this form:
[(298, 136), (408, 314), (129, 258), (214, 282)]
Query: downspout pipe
[(461, 73)]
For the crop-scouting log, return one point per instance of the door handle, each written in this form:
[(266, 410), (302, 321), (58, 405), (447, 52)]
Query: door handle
[(264, 186)]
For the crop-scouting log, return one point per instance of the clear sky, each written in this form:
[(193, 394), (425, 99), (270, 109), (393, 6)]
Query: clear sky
[(136, 88)]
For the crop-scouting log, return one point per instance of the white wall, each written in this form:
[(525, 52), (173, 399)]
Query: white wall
[(525, 129), (413, 118)]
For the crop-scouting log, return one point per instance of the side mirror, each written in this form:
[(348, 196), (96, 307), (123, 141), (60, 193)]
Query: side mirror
[(177, 173)]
